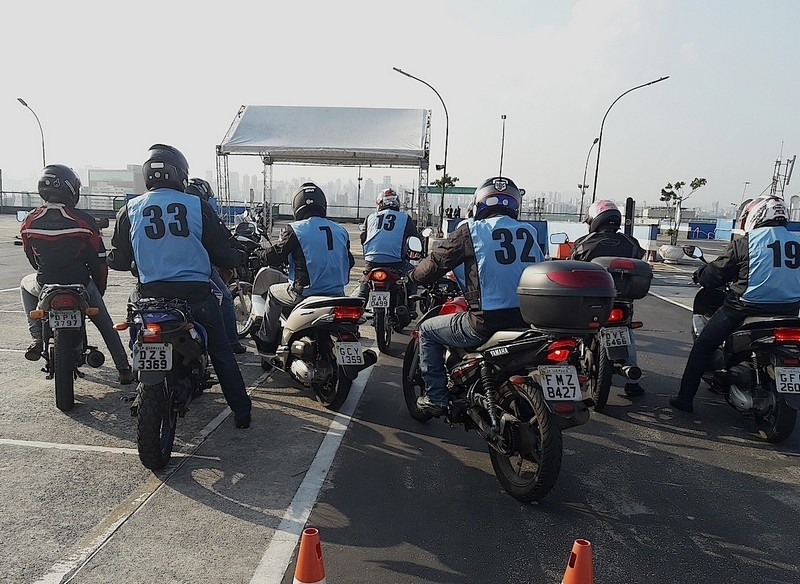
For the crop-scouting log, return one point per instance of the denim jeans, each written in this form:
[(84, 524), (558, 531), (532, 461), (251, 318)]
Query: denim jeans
[(29, 291), (434, 335), (208, 313), (280, 296), (228, 311)]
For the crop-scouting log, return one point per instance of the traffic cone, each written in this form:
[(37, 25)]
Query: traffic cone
[(309, 569), (579, 566)]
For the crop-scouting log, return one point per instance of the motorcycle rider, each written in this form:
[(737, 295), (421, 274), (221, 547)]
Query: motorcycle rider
[(384, 239), (494, 247), (170, 240), (605, 240), (201, 188), (64, 245), (762, 270), (318, 253)]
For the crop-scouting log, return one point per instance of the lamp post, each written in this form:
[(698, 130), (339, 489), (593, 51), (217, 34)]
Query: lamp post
[(583, 186), (502, 144), (22, 101), (747, 182), (442, 167), (600, 136), (358, 198)]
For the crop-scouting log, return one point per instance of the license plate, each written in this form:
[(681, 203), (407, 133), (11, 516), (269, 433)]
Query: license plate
[(560, 382), (379, 299), (349, 354), (617, 336), (152, 356), (64, 319), (787, 379)]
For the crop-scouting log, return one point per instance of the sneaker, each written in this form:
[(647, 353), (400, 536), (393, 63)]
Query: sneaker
[(676, 403), (633, 390), (34, 351), (425, 404), (126, 376), (238, 348), (242, 421)]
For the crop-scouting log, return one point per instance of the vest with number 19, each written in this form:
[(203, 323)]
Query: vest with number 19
[(774, 266)]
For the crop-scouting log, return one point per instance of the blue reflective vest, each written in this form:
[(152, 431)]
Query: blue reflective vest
[(324, 246), (385, 241), (774, 259)]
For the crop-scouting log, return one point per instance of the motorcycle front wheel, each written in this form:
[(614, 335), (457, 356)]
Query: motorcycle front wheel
[(413, 384), (155, 426), (383, 331), (65, 346), (531, 468), (242, 306)]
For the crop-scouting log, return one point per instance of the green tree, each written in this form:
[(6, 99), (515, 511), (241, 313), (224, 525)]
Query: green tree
[(673, 196), (441, 184)]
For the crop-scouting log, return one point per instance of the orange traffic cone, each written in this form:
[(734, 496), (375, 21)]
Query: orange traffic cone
[(579, 566), (309, 569)]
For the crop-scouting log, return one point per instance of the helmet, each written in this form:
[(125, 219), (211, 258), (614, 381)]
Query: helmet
[(59, 184), (497, 196), (199, 187), (603, 215), (763, 212), (165, 167), (388, 199), (309, 201)]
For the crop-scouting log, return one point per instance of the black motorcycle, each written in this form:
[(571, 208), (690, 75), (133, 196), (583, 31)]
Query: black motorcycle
[(757, 368)]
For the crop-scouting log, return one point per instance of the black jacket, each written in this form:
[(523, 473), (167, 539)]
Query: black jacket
[(606, 244)]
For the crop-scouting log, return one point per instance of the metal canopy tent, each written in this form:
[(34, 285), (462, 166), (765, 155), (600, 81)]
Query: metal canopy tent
[(327, 136)]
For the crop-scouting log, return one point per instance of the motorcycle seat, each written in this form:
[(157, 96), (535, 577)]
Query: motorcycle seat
[(499, 338), (752, 322), (322, 301)]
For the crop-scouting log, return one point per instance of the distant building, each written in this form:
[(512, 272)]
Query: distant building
[(104, 181)]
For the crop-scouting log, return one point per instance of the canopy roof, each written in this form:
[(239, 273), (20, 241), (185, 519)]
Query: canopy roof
[(342, 136)]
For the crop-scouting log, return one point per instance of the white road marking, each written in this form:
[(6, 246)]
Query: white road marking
[(75, 447), (670, 300), (11, 289)]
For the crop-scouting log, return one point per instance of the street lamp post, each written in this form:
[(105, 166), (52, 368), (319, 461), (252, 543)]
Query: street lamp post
[(600, 136), (583, 186), (747, 182), (442, 167), (502, 144), (358, 197), (22, 101)]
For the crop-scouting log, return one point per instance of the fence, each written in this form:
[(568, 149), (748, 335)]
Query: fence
[(96, 205)]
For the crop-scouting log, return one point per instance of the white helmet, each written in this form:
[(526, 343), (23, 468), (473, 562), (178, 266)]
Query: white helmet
[(762, 212), (388, 199)]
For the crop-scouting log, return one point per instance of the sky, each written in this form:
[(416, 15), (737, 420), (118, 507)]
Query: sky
[(108, 79)]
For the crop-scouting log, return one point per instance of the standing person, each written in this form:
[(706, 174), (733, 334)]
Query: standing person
[(64, 245), (318, 253), (764, 275), (494, 247), (605, 240), (201, 188), (173, 238)]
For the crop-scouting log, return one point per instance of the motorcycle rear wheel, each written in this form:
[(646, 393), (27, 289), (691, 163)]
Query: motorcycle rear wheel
[(65, 347), (383, 330), (155, 426), (413, 384), (242, 306), (532, 469), (599, 370), (779, 424), (333, 393)]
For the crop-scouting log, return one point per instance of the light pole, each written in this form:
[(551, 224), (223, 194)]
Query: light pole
[(600, 136), (442, 167), (22, 101), (358, 198), (747, 182), (583, 185), (502, 144)]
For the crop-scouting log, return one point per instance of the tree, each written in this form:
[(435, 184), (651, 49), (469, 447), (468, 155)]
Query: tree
[(443, 183), (673, 195)]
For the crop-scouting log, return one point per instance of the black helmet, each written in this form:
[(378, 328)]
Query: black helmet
[(603, 215), (199, 187), (59, 184), (309, 201), (165, 167), (497, 196)]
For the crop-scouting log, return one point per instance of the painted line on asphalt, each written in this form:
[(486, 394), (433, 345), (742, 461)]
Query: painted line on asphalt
[(74, 447), (279, 553), (670, 300), (11, 289)]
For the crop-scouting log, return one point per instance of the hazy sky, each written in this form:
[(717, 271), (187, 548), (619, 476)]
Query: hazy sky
[(107, 81)]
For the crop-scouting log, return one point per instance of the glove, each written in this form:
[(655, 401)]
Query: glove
[(696, 275)]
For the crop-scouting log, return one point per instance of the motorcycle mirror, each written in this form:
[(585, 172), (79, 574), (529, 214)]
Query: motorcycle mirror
[(414, 244), (693, 251), (21, 215), (559, 238), (362, 226), (427, 232)]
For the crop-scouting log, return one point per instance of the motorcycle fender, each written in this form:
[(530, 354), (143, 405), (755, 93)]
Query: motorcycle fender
[(352, 371), (565, 420), (792, 400), (618, 354), (152, 377)]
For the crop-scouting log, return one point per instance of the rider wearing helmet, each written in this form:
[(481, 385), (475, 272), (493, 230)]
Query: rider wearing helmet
[(494, 248), (171, 239), (318, 253), (762, 269), (64, 245), (605, 240)]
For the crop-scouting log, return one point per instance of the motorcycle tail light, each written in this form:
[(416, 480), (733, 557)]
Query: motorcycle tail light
[(347, 312), (621, 264), (378, 275), (560, 350), (787, 335), (792, 361), (61, 301), (566, 407), (616, 315), (151, 333), (349, 337)]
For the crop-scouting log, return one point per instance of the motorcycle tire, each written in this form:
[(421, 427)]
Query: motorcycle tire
[(383, 330), (242, 293), (599, 371), (334, 391), (541, 448), (155, 426), (413, 384), (779, 424), (65, 346)]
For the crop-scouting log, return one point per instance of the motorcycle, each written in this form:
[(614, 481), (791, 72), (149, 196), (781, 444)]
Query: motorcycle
[(63, 309), (247, 236), (757, 368), (521, 388), (319, 342), (389, 299)]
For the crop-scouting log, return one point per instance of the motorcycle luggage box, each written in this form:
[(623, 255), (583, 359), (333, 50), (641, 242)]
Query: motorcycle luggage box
[(631, 277), (567, 297)]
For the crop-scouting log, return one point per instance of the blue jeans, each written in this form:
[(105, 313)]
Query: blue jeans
[(228, 311), (434, 335), (208, 313)]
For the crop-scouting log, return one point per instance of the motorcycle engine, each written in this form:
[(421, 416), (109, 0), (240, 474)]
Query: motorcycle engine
[(742, 380)]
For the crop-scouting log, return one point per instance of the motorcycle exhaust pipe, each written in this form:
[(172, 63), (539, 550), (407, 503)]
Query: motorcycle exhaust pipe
[(632, 372)]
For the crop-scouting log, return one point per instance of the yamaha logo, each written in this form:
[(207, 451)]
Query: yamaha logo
[(500, 184)]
